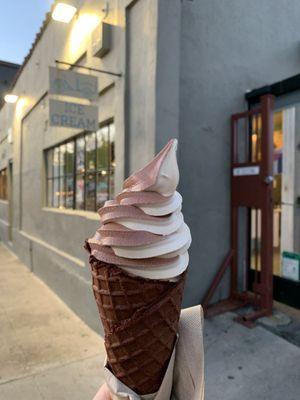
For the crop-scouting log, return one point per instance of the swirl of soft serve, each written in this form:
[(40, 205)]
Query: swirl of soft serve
[(143, 230)]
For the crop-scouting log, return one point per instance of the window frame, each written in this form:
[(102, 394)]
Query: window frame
[(50, 199)]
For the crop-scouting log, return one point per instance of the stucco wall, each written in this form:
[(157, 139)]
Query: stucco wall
[(227, 47), (50, 241), (186, 66), (141, 17)]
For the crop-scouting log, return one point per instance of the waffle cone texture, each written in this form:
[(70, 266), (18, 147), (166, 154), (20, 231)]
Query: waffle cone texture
[(140, 319)]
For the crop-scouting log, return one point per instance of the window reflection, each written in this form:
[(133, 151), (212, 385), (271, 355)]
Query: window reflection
[(90, 152), (80, 146), (79, 192), (69, 180), (3, 184), (80, 173), (256, 135), (90, 192)]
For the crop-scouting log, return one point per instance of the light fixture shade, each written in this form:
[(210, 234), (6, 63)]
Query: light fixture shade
[(10, 98), (63, 12)]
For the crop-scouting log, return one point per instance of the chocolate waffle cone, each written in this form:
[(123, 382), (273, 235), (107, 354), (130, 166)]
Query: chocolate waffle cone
[(118, 295), (140, 318)]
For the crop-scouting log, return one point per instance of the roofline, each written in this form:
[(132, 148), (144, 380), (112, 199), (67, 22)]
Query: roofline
[(38, 36), (279, 88), (9, 64)]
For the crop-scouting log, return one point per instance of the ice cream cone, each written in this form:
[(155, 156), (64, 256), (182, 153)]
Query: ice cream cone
[(138, 259), (119, 295), (140, 318)]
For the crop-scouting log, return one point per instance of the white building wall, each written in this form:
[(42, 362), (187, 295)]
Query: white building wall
[(50, 241)]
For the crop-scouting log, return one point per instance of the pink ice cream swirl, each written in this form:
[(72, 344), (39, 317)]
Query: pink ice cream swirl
[(143, 230)]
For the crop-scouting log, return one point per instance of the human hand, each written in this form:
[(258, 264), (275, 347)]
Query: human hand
[(103, 393)]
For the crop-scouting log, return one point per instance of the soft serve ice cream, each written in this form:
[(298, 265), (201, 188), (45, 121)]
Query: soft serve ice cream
[(143, 230), (138, 259)]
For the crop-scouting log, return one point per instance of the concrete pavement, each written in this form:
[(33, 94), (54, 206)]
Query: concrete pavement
[(248, 364), (46, 351)]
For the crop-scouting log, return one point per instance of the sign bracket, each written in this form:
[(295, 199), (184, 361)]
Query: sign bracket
[(89, 68)]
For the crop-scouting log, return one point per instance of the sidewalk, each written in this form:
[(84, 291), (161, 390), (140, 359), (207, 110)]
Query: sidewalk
[(249, 364), (46, 351)]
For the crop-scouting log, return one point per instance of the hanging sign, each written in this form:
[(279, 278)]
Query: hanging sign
[(73, 115), (70, 83)]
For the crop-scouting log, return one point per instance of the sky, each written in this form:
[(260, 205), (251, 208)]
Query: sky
[(20, 20)]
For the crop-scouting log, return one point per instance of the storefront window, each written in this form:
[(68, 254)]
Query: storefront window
[(80, 173), (3, 184), (69, 177)]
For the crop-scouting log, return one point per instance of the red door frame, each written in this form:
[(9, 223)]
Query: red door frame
[(251, 191)]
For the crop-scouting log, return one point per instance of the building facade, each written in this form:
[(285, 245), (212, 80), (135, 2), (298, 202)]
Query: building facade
[(184, 67), (8, 73)]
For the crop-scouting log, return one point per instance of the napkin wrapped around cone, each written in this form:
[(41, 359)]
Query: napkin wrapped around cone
[(138, 260), (184, 378)]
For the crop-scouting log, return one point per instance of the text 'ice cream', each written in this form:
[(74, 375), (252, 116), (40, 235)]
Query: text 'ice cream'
[(143, 230)]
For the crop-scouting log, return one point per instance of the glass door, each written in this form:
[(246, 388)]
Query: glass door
[(255, 214), (286, 256)]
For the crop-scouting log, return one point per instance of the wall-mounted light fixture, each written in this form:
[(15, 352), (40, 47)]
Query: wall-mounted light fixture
[(63, 12), (11, 98)]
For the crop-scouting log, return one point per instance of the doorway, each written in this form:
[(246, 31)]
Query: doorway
[(285, 257), (264, 256)]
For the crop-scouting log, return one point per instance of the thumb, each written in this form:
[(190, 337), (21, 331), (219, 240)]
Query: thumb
[(103, 393)]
